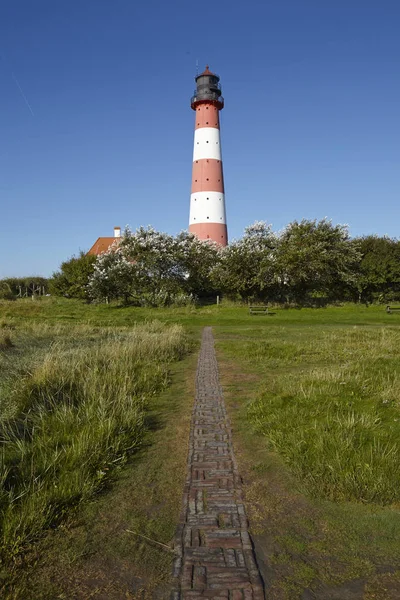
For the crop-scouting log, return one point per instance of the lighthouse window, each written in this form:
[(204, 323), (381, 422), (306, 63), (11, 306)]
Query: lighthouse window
[(207, 179), (207, 142), (206, 122), (208, 217), (207, 109)]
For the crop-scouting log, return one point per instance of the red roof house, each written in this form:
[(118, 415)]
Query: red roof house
[(102, 244)]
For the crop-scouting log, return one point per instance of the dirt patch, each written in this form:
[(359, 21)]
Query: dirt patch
[(385, 586), (351, 590)]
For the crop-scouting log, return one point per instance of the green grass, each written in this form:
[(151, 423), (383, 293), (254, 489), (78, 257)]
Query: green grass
[(316, 416), (92, 554), (76, 409), (330, 406), (60, 310), (314, 398), (306, 546)]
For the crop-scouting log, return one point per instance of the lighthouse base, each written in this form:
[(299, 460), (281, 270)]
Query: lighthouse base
[(215, 232)]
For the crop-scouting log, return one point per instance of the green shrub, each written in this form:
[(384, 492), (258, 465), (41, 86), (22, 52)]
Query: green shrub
[(6, 292)]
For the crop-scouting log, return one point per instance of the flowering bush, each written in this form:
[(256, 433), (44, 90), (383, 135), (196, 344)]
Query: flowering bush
[(307, 259), (153, 268)]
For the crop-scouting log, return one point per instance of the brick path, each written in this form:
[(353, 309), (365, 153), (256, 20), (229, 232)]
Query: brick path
[(216, 558)]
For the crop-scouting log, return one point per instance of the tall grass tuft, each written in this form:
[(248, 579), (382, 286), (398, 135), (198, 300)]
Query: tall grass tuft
[(5, 339), (81, 410)]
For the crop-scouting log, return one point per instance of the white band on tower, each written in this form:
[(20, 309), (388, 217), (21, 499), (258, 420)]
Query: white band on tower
[(207, 143), (207, 207)]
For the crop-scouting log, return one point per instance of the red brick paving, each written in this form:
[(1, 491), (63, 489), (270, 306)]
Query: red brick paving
[(216, 558)]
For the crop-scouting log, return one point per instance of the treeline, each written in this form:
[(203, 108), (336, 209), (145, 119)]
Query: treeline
[(12, 287), (70, 281), (308, 263)]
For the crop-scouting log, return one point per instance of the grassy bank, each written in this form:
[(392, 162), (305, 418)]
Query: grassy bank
[(73, 407)]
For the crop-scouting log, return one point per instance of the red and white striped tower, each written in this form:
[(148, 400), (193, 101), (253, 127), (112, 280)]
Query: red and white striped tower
[(207, 202)]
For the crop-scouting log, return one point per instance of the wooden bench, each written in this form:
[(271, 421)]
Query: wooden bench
[(391, 309), (258, 310)]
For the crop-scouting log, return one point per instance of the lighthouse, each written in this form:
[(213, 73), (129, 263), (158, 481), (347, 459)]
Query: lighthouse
[(207, 201)]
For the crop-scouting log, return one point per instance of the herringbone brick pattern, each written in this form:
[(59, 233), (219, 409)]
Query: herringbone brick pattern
[(216, 558)]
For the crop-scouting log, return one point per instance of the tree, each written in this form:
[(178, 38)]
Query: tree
[(156, 270), (151, 267), (73, 277), (379, 269), (315, 257), (308, 259), (198, 261), (112, 277), (247, 266)]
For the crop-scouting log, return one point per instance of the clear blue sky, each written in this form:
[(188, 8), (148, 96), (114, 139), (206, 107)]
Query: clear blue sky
[(96, 128)]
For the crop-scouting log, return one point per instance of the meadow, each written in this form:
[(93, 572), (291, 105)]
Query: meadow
[(329, 405), (315, 410), (73, 404), (314, 400)]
